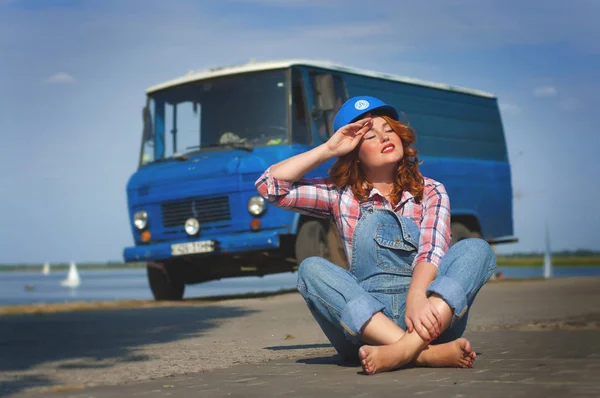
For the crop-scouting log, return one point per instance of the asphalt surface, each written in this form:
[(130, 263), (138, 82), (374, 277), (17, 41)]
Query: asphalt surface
[(534, 338)]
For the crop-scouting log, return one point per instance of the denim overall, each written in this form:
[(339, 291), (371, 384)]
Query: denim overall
[(384, 247)]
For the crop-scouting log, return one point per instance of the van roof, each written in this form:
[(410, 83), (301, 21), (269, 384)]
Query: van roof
[(253, 66)]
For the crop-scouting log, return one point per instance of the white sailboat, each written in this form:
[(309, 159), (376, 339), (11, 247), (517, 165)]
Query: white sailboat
[(46, 269), (73, 279)]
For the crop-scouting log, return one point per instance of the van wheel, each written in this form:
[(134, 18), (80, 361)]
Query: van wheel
[(163, 284), (337, 255), (460, 232), (314, 239)]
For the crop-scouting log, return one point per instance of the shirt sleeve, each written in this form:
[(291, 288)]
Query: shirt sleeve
[(310, 196), (435, 227)]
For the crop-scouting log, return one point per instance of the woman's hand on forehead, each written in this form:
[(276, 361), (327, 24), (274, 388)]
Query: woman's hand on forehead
[(348, 137)]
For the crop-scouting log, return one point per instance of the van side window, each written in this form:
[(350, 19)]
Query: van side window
[(341, 97), (327, 115), (300, 132)]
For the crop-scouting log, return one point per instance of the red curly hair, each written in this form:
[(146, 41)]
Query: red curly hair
[(347, 171)]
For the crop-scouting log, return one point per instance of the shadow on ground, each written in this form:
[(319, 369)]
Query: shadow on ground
[(297, 347), (100, 338), (330, 360)]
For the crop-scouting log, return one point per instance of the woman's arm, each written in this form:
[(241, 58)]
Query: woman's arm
[(342, 142), (294, 168), (433, 243), (313, 197), (421, 315), (282, 184), (435, 234)]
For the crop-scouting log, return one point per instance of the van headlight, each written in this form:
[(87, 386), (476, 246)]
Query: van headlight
[(192, 226), (256, 205), (140, 219)]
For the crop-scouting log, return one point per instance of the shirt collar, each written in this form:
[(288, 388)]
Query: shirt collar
[(374, 191), (406, 196)]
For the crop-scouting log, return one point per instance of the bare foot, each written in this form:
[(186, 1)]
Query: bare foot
[(376, 359), (455, 354)]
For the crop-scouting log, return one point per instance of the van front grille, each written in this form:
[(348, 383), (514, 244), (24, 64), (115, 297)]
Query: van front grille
[(205, 210)]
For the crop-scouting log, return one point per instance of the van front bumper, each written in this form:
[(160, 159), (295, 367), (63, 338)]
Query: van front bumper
[(231, 243)]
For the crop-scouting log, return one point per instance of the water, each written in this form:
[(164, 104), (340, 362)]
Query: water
[(110, 285)]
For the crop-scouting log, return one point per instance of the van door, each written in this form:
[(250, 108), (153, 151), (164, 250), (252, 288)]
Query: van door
[(328, 95), (300, 117)]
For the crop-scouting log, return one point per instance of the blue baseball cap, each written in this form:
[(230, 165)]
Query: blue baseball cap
[(355, 107)]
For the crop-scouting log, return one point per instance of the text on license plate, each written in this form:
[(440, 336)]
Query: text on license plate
[(203, 246)]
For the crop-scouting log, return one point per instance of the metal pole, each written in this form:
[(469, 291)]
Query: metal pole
[(547, 256)]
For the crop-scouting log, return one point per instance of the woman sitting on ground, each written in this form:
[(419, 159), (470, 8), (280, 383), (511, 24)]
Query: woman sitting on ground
[(406, 295)]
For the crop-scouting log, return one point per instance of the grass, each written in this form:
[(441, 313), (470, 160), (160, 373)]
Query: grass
[(557, 261)]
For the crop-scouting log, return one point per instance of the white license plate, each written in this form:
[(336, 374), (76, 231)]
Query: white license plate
[(203, 246)]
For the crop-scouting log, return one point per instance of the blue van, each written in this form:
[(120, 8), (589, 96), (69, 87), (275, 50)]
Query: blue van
[(194, 211)]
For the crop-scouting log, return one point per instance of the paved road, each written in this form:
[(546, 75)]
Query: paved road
[(536, 338)]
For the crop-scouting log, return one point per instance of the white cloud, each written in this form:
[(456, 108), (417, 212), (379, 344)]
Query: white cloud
[(509, 109), (545, 92), (60, 78), (470, 24)]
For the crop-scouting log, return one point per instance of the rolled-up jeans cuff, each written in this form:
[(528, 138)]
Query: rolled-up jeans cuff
[(453, 294), (357, 312)]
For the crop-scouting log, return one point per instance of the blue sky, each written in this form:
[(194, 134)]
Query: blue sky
[(73, 75)]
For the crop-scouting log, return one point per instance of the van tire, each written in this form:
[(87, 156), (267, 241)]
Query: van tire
[(461, 232), (311, 240), (337, 254), (321, 239), (163, 284)]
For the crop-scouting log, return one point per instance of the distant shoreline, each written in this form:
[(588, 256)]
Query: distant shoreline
[(65, 267), (502, 261)]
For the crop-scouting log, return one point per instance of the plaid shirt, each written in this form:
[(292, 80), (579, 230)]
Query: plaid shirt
[(318, 197)]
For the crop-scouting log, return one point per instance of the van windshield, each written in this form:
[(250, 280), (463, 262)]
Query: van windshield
[(238, 111)]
